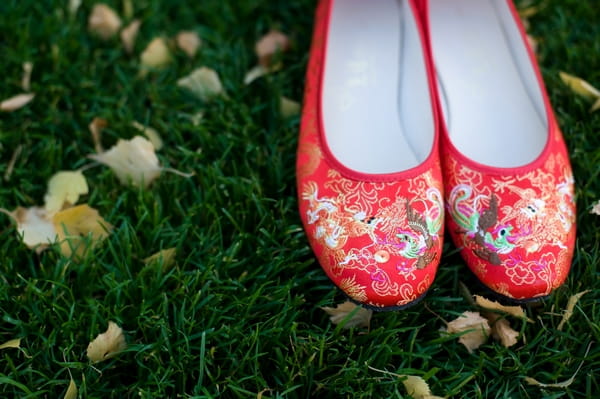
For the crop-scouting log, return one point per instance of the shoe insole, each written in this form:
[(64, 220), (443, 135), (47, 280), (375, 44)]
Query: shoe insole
[(376, 107), (491, 99)]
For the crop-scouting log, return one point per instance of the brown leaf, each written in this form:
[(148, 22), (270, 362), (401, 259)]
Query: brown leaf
[(13, 343), (362, 317), (166, 255), (580, 86), (79, 229), (189, 42), (570, 307), (129, 34), (156, 55), (515, 311), (104, 21), (96, 127), (501, 330), (16, 102), (71, 391), (107, 344), (269, 45), (470, 321)]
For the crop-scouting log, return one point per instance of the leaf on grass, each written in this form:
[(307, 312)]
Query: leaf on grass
[(361, 317), (71, 391), (167, 256), (129, 34), (189, 42), (96, 126), (515, 311), (16, 102), (74, 6), (596, 106), (596, 208), (13, 343), (580, 86), (203, 82), (255, 73), (570, 307), (107, 344), (151, 133), (133, 161), (36, 228), (104, 21), (26, 79), (416, 386), (288, 108), (564, 384), (470, 321), (156, 55), (501, 330), (80, 228), (269, 45), (64, 189)]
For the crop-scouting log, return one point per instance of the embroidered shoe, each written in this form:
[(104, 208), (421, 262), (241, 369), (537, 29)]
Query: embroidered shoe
[(508, 182), (368, 169)]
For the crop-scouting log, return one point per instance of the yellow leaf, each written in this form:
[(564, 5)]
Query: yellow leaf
[(13, 343), (189, 42), (16, 102), (26, 79), (71, 391), (501, 330), (470, 321), (167, 256), (64, 189), (151, 133), (96, 127), (580, 86), (596, 106), (156, 55), (107, 344), (515, 311), (570, 307), (203, 82), (34, 225), (269, 45), (361, 317), (563, 384), (416, 386), (104, 21), (288, 108), (129, 34), (74, 6), (75, 224), (133, 161)]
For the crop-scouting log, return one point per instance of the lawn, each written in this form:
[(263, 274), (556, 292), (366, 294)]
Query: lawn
[(239, 313)]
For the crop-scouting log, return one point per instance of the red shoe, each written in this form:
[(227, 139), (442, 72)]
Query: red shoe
[(508, 182), (368, 170)]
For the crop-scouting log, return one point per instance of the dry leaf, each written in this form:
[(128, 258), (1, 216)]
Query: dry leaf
[(596, 106), (167, 256), (189, 42), (13, 343), (133, 161), (104, 21), (74, 6), (96, 127), (288, 108), (151, 133), (156, 55), (515, 311), (362, 317), (596, 208), (107, 344), (255, 73), (501, 330), (80, 228), (416, 387), (570, 307), (129, 34), (26, 79), (564, 384), (36, 228), (16, 102), (64, 187), (71, 391), (580, 86), (269, 45), (470, 321), (203, 82)]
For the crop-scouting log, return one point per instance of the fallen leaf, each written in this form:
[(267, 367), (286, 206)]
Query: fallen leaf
[(26, 79), (269, 45), (16, 102), (104, 21), (64, 187), (107, 344), (515, 311), (156, 55), (166, 255), (570, 307), (13, 343), (501, 330), (11, 164), (580, 86), (361, 317), (288, 108), (596, 106), (203, 82), (596, 208), (71, 391), (189, 42), (415, 386), (151, 133), (129, 34), (470, 321), (96, 127), (563, 384), (255, 73), (74, 6), (35, 227), (133, 161), (79, 229)]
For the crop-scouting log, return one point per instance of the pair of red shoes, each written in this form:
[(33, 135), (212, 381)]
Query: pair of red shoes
[(416, 111)]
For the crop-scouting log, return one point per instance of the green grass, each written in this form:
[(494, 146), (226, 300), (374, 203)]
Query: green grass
[(238, 314)]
